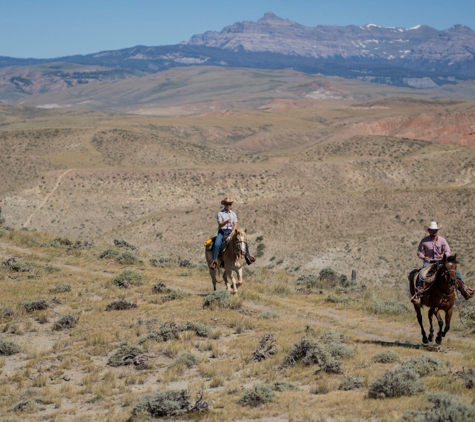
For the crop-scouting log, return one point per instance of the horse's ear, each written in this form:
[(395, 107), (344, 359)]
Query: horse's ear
[(245, 231), (455, 259)]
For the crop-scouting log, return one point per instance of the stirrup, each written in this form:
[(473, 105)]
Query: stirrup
[(416, 300)]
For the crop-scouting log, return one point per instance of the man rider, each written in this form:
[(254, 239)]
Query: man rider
[(227, 225), (434, 248)]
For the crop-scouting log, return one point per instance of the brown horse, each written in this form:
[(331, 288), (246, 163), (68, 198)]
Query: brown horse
[(233, 260), (439, 296)]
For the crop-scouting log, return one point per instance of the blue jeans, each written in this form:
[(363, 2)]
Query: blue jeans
[(219, 240), (419, 281)]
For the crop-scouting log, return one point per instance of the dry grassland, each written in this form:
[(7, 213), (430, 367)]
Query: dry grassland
[(319, 184), (63, 375)]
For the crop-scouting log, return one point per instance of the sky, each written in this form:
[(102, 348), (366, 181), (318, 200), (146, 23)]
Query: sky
[(55, 28)]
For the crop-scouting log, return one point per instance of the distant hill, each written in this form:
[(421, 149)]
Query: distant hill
[(420, 57)]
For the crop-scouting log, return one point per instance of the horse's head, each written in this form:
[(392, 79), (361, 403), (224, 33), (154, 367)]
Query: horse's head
[(240, 241), (449, 270)]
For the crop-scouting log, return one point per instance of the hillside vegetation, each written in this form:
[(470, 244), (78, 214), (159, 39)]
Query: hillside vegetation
[(104, 283)]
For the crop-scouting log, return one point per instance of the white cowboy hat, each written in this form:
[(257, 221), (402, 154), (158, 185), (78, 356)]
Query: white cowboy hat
[(227, 200), (433, 226)]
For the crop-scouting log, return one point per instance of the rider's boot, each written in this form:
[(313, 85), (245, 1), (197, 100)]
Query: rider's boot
[(417, 298), (213, 265), (249, 259), (464, 290)]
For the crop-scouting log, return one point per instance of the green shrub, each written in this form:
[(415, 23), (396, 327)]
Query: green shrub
[(124, 244), (390, 307), (388, 356), (120, 305), (109, 254), (9, 348), (167, 404), (308, 352), (128, 258), (36, 305), (167, 331), (331, 298), (468, 314), (397, 383), (186, 359), (163, 262), (283, 386), (66, 321), (61, 289), (217, 299), (266, 348), (174, 295), (160, 287), (446, 407), (269, 315), (351, 383), (124, 355), (12, 264), (129, 277), (201, 330), (424, 364), (260, 394)]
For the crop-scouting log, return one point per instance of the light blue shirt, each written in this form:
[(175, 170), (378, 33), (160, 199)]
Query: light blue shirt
[(225, 216)]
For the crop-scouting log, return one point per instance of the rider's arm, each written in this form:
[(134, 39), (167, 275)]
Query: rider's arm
[(421, 252)]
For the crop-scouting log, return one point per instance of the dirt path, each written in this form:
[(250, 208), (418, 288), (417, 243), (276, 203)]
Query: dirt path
[(27, 222)]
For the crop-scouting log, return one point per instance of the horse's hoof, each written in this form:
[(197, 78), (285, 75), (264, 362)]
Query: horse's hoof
[(438, 340), (425, 341), (431, 338)]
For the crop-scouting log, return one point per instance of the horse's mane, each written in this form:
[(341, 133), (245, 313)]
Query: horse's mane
[(452, 258)]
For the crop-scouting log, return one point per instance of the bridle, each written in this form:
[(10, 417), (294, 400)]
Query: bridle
[(239, 245)]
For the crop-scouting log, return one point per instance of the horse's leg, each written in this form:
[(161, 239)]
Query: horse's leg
[(212, 273), (438, 339), (431, 331), (419, 320), (226, 281), (233, 282), (239, 273), (448, 317)]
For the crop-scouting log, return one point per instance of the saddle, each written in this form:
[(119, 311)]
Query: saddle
[(209, 244)]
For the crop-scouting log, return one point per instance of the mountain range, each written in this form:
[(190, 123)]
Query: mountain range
[(419, 57)]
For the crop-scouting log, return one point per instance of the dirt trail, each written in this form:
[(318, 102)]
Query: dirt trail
[(27, 222)]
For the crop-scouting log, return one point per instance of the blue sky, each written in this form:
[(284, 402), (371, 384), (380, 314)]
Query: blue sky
[(54, 28)]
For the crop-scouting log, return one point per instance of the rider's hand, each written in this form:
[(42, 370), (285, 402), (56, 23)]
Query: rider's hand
[(426, 259)]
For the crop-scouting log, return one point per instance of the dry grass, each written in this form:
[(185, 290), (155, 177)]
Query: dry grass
[(68, 367)]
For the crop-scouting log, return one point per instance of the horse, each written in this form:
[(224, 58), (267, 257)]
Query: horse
[(233, 260), (438, 296)]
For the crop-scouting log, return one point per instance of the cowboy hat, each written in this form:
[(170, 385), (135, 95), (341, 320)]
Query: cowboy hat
[(433, 226), (227, 200)]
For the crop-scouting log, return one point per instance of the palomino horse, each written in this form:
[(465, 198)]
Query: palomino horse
[(438, 296), (233, 259)]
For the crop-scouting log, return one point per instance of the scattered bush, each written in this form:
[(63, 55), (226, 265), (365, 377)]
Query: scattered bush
[(467, 377), (260, 394), (109, 254), (397, 383), (185, 263), (124, 355), (388, 356), (389, 307), (67, 321), (266, 348), (123, 244), (331, 298), (9, 348), (217, 299), (174, 295), (445, 407), (351, 383), (129, 277), (167, 403), (185, 359), (61, 289), (58, 242), (306, 351), (424, 364), (128, 258), (269, 315), (81, 245), (120, 305), (327, 278), (468, 314), (160, 287), (163, 262), (283, 386), (201, 330), (36, 305), (12, 264), (167, 331)]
